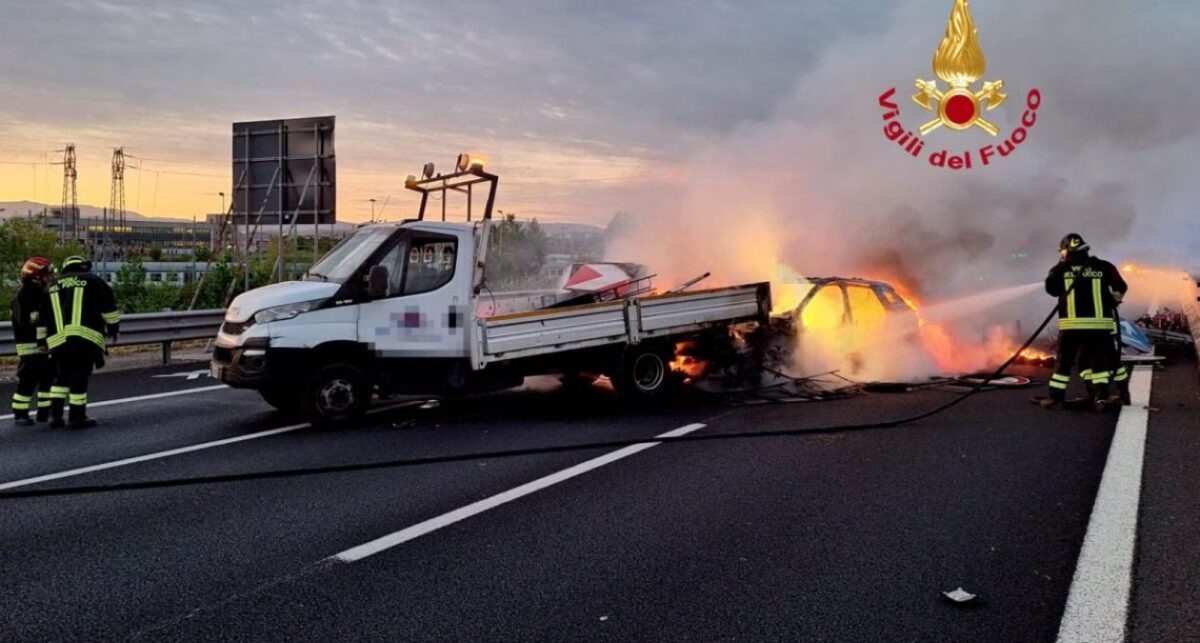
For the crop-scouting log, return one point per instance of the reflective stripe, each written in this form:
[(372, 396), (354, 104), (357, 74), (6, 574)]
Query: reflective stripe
[(28, 348), (41, 332), (17, 397), (58, 339), (59, 392), (20, 406), (1086, 323), (56, 305), (1086, 374), (1068, 280), (43, 402), (1058, 377), (1058, 385), (1101, 378), (78, 399), (1099, 305), (76, 327), (112, 318), (1122, 374), (77, 307)]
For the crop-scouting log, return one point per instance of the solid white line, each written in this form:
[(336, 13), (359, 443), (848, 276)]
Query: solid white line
[(141, 398), (149, 456), (1098, 603), (433, 524)]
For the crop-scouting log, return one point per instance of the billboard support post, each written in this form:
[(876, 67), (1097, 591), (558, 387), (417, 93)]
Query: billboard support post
[(284, 149)]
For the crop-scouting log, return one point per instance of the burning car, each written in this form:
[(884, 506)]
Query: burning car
[(836, 302)]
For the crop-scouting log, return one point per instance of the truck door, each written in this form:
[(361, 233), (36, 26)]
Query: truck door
[(424, 311)]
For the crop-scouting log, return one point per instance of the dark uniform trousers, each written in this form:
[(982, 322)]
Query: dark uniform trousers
[(35, 374), (1091, 351), (73, 362)]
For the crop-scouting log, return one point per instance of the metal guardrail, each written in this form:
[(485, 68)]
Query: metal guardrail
[(148, 328)]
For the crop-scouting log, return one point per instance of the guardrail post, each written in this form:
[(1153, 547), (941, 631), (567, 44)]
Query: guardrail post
[(166, 353)]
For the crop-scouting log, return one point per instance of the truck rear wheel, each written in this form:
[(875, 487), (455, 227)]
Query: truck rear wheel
[(644, 373), (336, 393)]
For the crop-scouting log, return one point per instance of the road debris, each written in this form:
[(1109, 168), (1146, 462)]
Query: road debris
[(960, 595)]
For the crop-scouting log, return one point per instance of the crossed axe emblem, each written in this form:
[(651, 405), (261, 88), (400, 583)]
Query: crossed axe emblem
[(927, 91)]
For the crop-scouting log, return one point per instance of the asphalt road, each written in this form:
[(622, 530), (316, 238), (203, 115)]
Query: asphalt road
[(848, 536), (1164, 604)]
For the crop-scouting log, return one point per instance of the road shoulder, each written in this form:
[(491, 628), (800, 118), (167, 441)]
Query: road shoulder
[(1166, 584)]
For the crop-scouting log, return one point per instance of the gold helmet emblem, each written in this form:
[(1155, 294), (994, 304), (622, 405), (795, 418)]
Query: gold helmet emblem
[(959, 62)]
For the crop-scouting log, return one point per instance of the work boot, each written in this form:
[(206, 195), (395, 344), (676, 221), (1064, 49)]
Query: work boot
[(1081, 402), (78, 419), (1103, 405), (1050, 404), (1116, 400), (22, 420), (56, 413)]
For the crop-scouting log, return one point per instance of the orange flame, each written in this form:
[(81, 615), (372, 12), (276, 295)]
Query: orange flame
[(959, 59)]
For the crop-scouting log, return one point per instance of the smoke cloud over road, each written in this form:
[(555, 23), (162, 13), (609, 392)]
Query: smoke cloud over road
[(818, 187)]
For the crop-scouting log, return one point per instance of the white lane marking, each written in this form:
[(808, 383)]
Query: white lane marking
[(142, 398), (1098, 603), (190, 375), (170, 452), (149, 456), (433, 524)]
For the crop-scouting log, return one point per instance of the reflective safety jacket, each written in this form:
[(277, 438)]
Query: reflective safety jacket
[(78, 305), (25, 307), (1088, 292)]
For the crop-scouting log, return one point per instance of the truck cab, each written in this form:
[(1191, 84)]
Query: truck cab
[(384, 296), (393, 309)]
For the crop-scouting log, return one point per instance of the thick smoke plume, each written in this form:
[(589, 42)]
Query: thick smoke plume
[(819, 188)]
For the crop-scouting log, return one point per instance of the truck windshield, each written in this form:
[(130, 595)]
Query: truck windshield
[(340, 263)]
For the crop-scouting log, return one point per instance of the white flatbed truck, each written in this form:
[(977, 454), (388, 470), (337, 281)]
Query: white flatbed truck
[(392, 309)]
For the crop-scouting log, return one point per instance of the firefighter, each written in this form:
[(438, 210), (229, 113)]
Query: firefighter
[(34, 371), (77, 312), (1088, 291)]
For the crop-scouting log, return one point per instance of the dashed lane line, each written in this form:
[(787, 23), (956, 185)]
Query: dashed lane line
[(1098, 604), (462, 513), (149, 456)]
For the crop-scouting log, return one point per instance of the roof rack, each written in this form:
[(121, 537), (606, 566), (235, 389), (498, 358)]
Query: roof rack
[(463, 180)]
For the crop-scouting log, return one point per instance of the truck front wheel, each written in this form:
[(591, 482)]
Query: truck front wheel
[(644, 373), (337, 393)]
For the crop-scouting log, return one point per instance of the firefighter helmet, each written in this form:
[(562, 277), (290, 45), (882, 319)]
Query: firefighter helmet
[(1072, 243), (36, 267), (75, 263)]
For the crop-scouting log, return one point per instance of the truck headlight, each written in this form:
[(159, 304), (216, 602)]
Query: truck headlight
[(286, 311)]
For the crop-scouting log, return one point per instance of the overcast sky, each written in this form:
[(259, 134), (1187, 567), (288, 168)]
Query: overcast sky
[(563, 97), (660, 107)]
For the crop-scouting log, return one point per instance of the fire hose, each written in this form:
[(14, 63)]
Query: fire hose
[(513, 453)]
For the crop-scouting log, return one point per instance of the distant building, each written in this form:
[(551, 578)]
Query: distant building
[(174, 237)]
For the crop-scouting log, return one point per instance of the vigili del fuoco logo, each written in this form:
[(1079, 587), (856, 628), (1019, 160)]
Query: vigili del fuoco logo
[(959, 63)]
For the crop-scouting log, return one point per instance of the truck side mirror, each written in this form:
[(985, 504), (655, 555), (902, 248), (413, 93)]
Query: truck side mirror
[(377, 282)]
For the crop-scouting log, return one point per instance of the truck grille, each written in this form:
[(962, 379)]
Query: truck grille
[(222, 355)]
